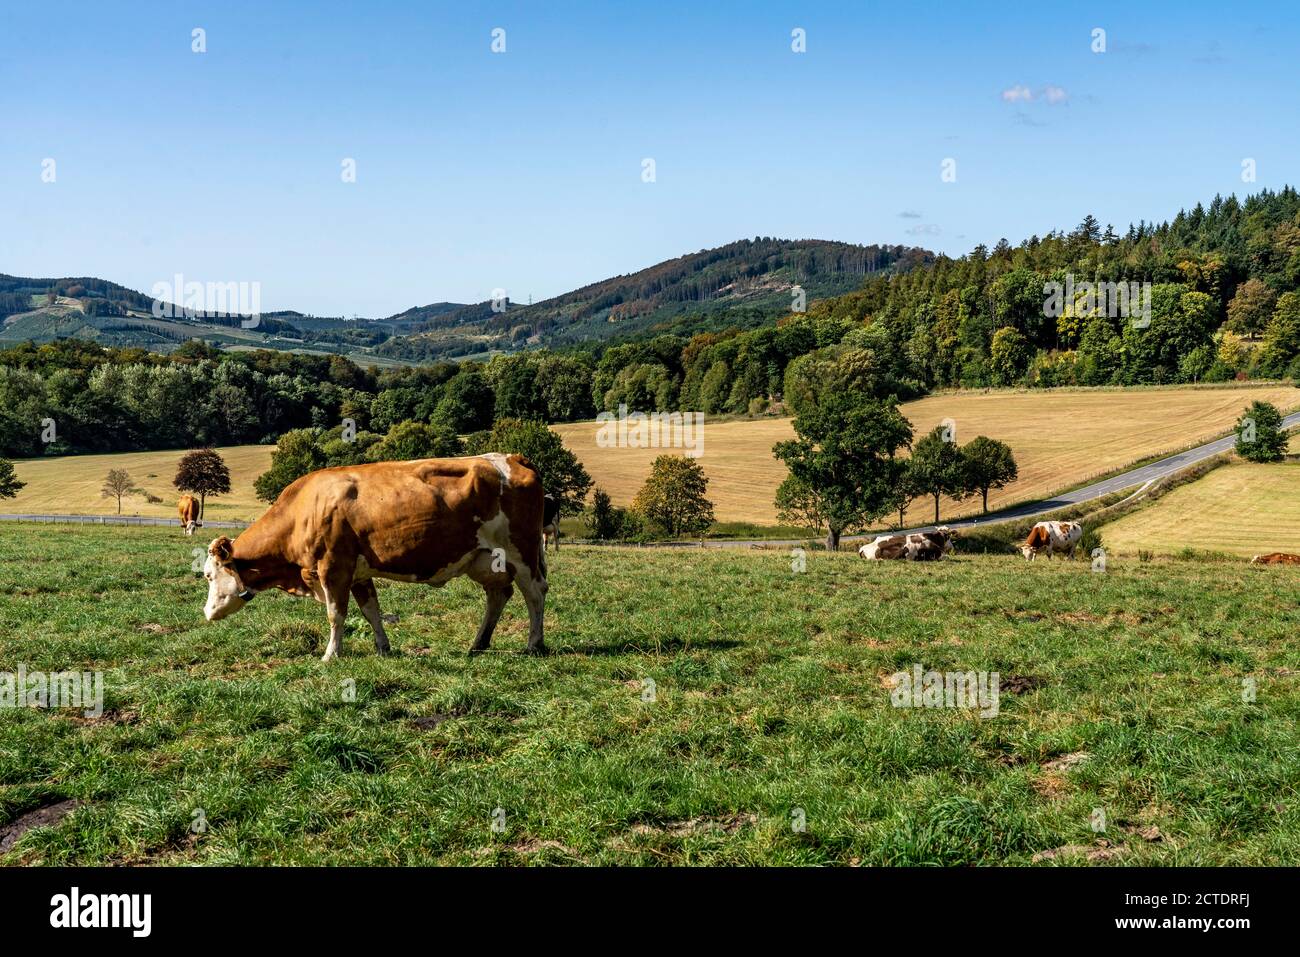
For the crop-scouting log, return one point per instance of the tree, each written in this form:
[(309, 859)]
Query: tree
[(606, 521), (204, 473), (936, 468), (1009, 354), (296, 453), (467, 402), (1250, 308), (1282, 337), (845, 456), (907, 492), (1260, 436), (117, 483), (562, 474), (9, 484), (416, 440), (989, 464), (672, 498)]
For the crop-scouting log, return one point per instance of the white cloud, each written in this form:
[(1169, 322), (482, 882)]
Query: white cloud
[(1051, 94), (925, 229)]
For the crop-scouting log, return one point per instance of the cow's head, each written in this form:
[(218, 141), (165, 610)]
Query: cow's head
[(949, 537), (190, 526), (226, 591)]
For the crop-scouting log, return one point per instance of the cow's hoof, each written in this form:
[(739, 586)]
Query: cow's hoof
[(538, 649), (475, 650)]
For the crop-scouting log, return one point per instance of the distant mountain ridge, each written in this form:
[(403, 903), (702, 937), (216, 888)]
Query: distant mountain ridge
[(743, 283)]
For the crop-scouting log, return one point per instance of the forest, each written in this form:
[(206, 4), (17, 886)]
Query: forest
[(1224, 305)]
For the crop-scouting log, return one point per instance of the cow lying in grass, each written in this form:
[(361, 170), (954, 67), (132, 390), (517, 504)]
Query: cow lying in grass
[(1276, 558), (914, 547), (430, 520), (1052, 537)]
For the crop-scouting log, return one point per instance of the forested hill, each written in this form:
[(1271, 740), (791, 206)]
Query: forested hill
[(1224, 302), (745, 283)]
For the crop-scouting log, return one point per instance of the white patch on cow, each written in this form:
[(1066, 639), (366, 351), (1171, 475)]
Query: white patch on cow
[(224, 587), (502, 465), (872, 550)]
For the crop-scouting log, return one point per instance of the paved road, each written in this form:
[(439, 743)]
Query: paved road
[(1133, 478)]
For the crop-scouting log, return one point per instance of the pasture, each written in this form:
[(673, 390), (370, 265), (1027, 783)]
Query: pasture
[(70, 485), (1060, 438), (1243, 509), (1120, 691)]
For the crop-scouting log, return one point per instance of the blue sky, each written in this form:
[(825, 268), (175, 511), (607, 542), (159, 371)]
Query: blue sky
[(523, 170)]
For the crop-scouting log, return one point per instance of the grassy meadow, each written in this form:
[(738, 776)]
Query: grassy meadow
[(71, 484), (1120, 691), (1060, 437), (1242, 509)]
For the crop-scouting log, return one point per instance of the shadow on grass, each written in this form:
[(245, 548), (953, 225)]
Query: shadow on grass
[(661, 647)]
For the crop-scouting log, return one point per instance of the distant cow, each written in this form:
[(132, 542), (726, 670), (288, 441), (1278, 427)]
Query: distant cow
[(1276, 558), (1052, 537), (550, 521), (428, 520), (189, 512), (914, 547)]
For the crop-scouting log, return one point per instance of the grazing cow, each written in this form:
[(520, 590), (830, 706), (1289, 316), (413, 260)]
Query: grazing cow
[(1052, 537), (915, 547), (1276, 558), (428, 520), (189, 512), (550, 521)]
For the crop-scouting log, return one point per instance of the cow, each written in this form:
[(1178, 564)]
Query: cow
[(1276, 558), (550, 521), (189, 512), (1052, 537), (429, 520), (914, 547)]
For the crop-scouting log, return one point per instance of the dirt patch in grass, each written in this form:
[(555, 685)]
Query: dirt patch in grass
[(46, 816), (1100, 850), (1019, 684)]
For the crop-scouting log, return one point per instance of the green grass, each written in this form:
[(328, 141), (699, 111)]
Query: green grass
[(770, 696)]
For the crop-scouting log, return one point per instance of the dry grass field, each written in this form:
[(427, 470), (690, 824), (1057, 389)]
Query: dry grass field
[(1240, 509), (1060, 438), (70, 485)]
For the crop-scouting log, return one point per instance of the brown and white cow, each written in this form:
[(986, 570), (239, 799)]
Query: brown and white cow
[(430, 520), (1051, 537), (551, 521), (914, 547), (189, 513), (1276, 558)]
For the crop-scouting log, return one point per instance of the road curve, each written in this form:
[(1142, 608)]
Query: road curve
[(1162, 468)]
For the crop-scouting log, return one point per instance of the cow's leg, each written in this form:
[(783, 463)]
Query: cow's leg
[(335, 581), (534, 590), (497, 596), (367, 597)]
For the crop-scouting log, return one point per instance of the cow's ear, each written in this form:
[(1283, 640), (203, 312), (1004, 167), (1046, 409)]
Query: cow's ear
[(221, 549)]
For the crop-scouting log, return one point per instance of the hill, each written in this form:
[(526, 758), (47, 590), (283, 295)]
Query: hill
[(743, 284), (740, 285)]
